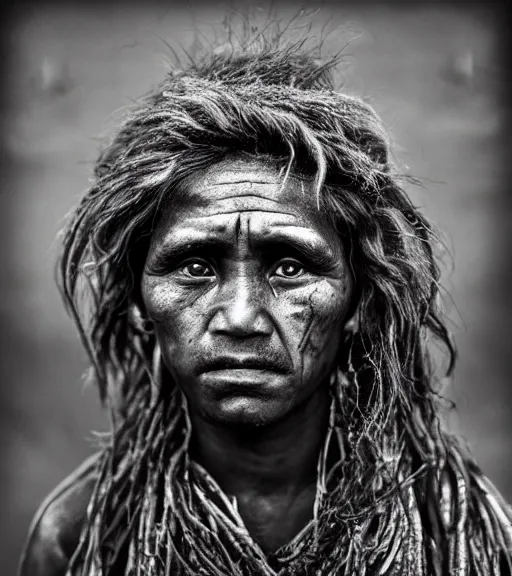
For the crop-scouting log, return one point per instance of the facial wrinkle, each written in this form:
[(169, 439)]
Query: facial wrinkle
[(310, 328), (180, 299), (277, 326), (189, 299), (312, 318), (281, 336), (242, 210), (232, 182), (248, 227), (307, 331), (242, 233), (238, 227), (241, 195)]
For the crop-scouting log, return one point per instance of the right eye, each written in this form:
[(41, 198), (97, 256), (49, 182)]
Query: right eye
[(198, 269)]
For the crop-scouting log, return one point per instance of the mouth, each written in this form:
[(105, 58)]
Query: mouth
[(248, 382), (244, 365)]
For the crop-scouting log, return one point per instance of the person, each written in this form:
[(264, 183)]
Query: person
[(261, 299)]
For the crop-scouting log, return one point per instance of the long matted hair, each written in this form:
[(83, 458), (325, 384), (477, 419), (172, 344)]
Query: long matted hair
[(405, 501)]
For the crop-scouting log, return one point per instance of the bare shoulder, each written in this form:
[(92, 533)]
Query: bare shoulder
[(55, 529)]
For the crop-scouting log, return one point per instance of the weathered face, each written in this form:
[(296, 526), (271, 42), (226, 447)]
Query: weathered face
[(248, 288)]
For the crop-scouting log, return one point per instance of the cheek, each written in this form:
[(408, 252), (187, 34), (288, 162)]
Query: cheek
[(317, 315), (178, 318), (173, 309)]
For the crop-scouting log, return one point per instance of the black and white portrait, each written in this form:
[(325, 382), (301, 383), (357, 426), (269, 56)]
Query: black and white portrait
[(255, 291)]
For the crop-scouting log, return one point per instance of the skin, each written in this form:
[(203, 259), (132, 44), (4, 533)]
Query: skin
[(249, 289)]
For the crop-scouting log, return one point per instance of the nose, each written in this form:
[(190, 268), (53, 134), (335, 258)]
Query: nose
[(241, 312)]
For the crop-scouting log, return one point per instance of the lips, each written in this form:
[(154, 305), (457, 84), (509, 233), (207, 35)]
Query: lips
[(244, 363)]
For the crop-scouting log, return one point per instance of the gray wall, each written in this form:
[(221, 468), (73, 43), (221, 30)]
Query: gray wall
[(434, 75)]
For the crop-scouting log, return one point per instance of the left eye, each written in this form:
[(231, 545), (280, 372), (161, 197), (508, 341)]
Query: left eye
[(198, 269), (289, 269)]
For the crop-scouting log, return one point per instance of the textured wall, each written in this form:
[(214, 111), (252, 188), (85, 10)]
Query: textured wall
[(434, 75)]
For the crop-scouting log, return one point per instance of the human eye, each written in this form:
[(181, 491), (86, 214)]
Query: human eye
[(197, 269), (289, 269)]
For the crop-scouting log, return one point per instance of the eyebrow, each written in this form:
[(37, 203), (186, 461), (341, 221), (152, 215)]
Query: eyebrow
[(173, 252), (277, 244), (317, 252)]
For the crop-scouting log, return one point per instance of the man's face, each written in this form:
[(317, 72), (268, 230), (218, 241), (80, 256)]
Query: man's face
[(248, 287)]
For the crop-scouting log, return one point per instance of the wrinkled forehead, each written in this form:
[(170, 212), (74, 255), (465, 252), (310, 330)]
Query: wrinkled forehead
[(244, 204), (261, 177), (253, 186)]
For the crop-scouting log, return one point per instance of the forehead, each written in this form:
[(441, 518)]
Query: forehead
[(248, 178), (256, 188)]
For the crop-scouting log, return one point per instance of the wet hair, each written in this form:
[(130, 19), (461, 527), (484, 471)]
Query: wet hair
[(403, 500)]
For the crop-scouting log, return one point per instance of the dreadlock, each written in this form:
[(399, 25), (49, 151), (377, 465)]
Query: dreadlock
[(403, 499)]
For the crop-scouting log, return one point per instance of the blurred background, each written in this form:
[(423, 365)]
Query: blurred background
[(433, 71)]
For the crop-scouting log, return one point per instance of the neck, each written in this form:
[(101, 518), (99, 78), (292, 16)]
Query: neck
[(278, 458)]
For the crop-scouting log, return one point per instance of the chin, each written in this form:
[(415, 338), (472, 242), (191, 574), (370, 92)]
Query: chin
[(246, 411)]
